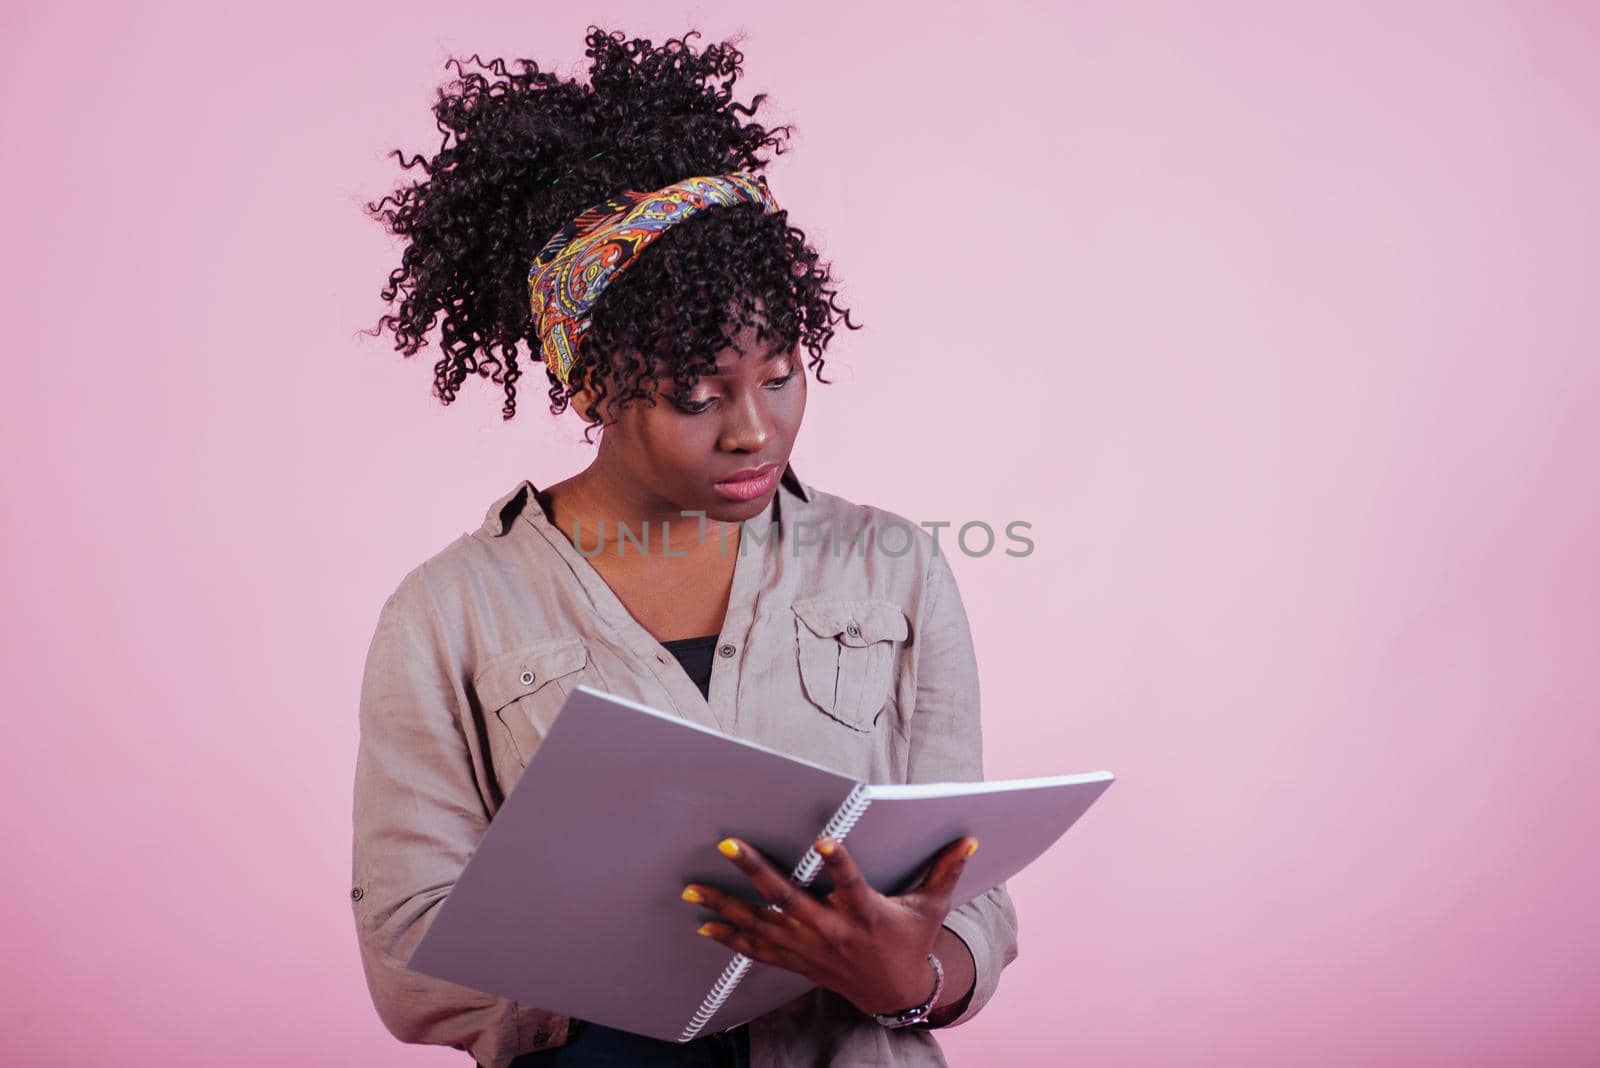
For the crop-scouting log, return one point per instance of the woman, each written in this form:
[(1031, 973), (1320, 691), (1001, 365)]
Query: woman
[(687, 567)]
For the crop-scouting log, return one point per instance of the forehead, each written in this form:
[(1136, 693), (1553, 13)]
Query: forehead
[(733, 361)]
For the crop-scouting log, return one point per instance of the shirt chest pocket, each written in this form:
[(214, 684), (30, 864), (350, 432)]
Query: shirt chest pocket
[(524, 688), (847, 651)]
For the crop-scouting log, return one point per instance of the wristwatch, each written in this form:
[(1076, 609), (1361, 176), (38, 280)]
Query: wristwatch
[(917, 1014)]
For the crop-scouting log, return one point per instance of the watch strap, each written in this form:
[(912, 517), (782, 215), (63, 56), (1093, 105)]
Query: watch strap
[(917, 1013)]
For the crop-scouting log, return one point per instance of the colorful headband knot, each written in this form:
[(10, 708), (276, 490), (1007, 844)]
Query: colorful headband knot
[(588, 253)]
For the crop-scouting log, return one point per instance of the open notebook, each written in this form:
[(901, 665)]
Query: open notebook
[(571, 900)]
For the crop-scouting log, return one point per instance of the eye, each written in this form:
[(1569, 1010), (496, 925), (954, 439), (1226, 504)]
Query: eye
[(691, 407), (779, 383)]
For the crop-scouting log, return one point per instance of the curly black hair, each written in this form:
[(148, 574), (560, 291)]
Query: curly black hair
[(531, 152)]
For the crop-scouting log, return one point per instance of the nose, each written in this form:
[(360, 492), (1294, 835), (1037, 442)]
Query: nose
[(747, 427)]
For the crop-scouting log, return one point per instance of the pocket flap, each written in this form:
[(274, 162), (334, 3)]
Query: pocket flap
[(857, 623), (507, 676)]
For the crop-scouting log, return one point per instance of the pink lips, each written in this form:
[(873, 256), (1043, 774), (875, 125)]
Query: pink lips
[(750, 483)]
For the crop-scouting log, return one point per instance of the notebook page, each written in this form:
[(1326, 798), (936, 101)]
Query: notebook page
[(1015, 821), (570, 901)]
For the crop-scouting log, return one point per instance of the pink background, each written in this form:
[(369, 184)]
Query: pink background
[(1277, 323)]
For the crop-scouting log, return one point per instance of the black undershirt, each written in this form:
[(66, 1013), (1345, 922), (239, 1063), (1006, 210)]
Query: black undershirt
[(695, 656)]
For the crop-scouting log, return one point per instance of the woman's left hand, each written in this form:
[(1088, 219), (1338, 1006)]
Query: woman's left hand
[(868, 948)]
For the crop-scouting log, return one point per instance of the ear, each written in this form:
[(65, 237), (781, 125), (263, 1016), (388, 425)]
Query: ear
[(581, 399), (580, 402)]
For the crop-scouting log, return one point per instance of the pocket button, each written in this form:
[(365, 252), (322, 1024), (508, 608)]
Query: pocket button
[(527, 678)]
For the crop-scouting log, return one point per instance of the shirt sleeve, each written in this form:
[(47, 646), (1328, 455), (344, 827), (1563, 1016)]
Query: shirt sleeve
[(947, 746), (418, 816)]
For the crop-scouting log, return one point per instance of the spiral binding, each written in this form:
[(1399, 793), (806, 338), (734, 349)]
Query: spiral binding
[(839, 826), (804, 872), (719, 993)]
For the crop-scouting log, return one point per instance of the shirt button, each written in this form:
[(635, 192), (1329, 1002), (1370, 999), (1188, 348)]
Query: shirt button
[(540, 1037), (728, 649), (355, 895), (527, 678)]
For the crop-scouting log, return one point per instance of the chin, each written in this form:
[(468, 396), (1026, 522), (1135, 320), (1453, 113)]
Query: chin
[(738, 511), (725, 511)]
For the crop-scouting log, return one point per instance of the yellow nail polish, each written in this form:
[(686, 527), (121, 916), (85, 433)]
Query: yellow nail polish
[(972, 847), (728, 847), (692, 895), (825, 847), (704, 928)]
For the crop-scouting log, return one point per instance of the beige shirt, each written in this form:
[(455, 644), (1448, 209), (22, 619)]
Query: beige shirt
[(845, 643)]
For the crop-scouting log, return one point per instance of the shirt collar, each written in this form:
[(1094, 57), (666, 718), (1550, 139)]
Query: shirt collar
[(503, 512)]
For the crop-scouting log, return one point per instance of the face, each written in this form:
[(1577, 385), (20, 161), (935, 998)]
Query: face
[(689, 451)]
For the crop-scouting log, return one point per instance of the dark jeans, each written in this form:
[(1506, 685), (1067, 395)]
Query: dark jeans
[(594, 1046)]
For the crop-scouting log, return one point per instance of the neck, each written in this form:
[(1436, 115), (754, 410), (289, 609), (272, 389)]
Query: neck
[(597, 509)]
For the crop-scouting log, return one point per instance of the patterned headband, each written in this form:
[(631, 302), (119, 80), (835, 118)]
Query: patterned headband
[(589, 252)]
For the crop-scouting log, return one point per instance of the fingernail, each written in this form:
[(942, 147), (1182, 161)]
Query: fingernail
[(704, 928), (825, 846), (728, 847), (692, 895), (972, 847)]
